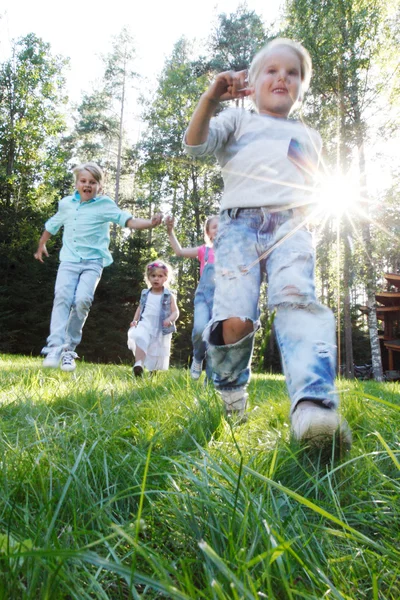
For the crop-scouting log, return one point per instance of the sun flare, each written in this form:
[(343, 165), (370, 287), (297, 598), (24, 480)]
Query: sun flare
[(339, 194)]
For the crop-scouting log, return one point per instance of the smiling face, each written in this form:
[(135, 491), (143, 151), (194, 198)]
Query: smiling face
[(87, 186), (278, 84), (157, 278)]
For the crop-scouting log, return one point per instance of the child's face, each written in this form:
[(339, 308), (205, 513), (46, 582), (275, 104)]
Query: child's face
[(87, 186), (157, 278), (212, 229), (278, 84)]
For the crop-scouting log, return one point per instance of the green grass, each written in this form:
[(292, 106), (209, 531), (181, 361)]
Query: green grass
[(114, 488)]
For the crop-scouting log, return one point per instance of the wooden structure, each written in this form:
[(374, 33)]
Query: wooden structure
[(388, 311)]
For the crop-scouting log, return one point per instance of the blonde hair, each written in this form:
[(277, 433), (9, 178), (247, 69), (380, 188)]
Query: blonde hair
[(304, 56), (207, 224), (93, 169), (158, 264)]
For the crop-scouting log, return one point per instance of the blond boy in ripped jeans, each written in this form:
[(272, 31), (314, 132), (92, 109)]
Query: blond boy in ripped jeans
[(266, 159)]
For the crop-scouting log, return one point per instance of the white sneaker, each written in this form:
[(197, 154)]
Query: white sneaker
[(52, 358), (196, 369), (68, 360), (235, 402), (318, 425)]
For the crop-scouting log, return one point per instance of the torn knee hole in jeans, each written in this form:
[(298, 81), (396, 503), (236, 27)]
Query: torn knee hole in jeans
[(307, 304), (291, 290), (216, 336)]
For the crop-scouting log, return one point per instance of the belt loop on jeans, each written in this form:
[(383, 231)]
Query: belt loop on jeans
[(233, 212)]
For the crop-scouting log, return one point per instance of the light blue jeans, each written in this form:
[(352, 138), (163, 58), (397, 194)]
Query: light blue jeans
[(203, 305), (73, 296), (305, 329)]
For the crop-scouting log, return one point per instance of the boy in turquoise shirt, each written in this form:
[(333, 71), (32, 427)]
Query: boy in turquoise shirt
[(86, 218)]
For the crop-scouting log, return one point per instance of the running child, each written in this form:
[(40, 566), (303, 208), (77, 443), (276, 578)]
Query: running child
[(150, 333), (86, 216), (266, 160), (204, 296)]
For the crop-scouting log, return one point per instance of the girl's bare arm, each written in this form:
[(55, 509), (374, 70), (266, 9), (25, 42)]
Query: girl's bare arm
[(174, 312), (135, 318), (176, 247)]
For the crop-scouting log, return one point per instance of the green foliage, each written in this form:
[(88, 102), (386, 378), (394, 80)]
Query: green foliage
[(235, 40), (115, 488), (95, 128), (31, 96), (118, 64)]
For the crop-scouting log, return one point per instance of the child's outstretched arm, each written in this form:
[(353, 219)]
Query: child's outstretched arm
[(176, 247), (41, 249), (135, 318), (174, 313), (138, 223), (228, 85)]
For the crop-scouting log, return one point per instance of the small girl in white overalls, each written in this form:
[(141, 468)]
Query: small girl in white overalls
[(150, 333), (204, 296)]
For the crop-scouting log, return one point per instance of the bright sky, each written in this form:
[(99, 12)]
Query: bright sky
[(83, 30)]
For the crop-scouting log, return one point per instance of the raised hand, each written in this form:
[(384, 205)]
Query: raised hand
[(169, 222), (229, 85), (156, 219)]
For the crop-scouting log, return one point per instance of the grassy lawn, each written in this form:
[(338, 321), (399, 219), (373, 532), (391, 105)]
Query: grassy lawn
[(114, 488)]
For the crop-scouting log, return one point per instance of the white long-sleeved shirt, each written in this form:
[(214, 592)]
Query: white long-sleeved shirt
[(265, 161)]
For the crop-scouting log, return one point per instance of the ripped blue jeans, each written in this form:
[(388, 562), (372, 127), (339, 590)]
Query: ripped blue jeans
[(304, 328)]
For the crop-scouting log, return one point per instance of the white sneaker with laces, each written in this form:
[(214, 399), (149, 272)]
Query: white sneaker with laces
[(318, 425), (52, 358), (235, 402), (68, 360), (196, 369)]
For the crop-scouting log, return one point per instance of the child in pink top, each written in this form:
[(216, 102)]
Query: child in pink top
[(205, 254), (204, 296)]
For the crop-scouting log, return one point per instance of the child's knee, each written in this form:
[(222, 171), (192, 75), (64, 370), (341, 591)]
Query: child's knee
[(82, 305), (231, 330), (235, 329)]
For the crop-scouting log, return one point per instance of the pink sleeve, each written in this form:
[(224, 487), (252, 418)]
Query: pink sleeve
[(200, 253), (201, 256)]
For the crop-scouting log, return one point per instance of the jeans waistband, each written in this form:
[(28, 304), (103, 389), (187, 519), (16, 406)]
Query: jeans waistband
[(233, 213)]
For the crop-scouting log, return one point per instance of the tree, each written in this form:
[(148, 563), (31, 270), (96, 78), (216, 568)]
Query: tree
[(96, 129), (236, 39), (31, 96), (117, 76), (33, 173)]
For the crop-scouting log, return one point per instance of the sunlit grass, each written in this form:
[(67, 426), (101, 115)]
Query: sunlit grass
[(116, 488)]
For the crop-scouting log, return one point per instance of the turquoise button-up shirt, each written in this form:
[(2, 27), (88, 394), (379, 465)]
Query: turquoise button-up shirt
[(86, 227)]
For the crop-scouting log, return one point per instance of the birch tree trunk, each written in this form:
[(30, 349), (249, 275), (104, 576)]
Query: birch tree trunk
[(119, 152)]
